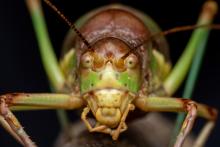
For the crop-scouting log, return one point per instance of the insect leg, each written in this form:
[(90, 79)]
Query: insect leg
[(15, 127), (46, 50), (177, 75), (7, 127), (48, 56), (24, 101), (168, 104)]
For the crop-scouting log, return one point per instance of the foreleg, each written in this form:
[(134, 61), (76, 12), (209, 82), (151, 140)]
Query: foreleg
[(167, 104), (23, 101)]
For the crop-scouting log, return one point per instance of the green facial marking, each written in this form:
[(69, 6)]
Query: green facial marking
[(130, 81), (89, 81), (104, 79)]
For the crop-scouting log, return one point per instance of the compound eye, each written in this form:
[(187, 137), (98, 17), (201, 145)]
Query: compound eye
[(98, 63), (120, 65), (131, 61), (87, 60)]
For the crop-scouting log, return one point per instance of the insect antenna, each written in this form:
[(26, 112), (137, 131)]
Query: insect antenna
[(176, 30), (70, 24), (171, 31)]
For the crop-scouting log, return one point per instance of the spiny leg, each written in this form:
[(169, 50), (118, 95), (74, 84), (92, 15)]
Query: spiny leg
[(23, 101), (168, 104)]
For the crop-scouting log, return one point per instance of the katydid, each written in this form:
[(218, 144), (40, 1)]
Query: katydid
[(109, 69)]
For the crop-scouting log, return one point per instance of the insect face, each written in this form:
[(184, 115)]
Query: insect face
[(108, 78), (107, 67)]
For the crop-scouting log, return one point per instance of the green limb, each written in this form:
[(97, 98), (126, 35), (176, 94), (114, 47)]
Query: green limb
[(179, 72), (193, 109), (42, 101), (24, 101), (48, 56), (63, 118), (170, 104), (67, 64), (190, 83)]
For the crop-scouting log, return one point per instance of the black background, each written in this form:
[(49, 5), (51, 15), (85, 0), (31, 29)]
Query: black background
[(21, 69)]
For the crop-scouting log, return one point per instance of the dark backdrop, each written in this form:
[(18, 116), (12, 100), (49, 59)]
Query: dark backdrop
[(22, 71)]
